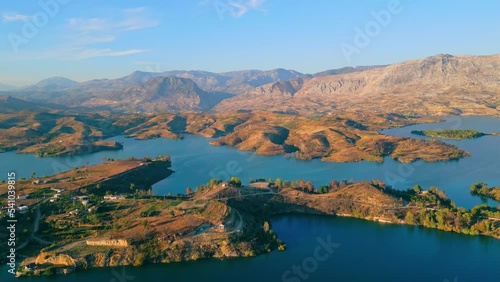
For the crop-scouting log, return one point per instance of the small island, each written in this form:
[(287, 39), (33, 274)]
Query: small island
[(456, 134)]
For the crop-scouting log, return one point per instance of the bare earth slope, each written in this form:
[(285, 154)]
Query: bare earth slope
[(438, 85)]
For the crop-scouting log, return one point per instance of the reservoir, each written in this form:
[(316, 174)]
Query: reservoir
[(365, 251)]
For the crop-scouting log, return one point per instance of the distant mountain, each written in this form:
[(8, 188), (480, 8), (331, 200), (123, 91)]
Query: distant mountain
[(160, 94), (237, 82), (347, 70), (6, 87), (9, 104), (52, 84), (438, 85)]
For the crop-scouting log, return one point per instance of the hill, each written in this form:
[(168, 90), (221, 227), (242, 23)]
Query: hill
[(160, 94), (52, 84), (438, 85)]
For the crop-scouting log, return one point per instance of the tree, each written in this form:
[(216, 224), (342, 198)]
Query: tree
[(323, 189), (212, 183), (410, 218), (98, 186), (433, 190), (188, 191), (235, 181), (266, 226), (278, 183), (417, 188), (132, 186), (145, 223), (310, 187)]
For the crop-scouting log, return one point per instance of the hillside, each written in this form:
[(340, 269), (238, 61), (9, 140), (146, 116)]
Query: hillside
[(160, 94), (52, 84), (9, 104), (438, 85), (47, 132), (336, 138)]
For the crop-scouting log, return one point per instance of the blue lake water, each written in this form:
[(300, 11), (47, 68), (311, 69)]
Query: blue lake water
[(195, 162), (363, 251), (367, 252)]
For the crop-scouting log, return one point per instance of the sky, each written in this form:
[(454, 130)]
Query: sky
[(91, 39)]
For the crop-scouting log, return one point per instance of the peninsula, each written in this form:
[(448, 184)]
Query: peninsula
[(98, 217)]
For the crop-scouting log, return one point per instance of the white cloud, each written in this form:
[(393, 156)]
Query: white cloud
[(85, 32), (130, 19), (15, 17), (92, 53)]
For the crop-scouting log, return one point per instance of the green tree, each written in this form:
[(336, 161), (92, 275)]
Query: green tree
[(433, 190), (278, 183), (417, 188), (212, 183), (235, 181), (266, 226), (410, 218), (132, 186), (323, 189)]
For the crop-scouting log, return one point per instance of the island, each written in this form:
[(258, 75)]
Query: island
[(456, 134), (106, 215)]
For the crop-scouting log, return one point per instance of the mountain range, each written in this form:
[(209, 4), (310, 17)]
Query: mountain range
[(437, 85)]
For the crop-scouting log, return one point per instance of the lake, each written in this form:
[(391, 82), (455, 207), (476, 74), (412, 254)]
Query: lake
[(195, 162), (366, 251), (362, 251)]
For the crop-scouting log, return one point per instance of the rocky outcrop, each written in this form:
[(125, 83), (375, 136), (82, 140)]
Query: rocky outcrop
[(55, 259)]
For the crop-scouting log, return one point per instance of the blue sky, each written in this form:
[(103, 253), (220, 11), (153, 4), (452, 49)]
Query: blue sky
[(90, 39)]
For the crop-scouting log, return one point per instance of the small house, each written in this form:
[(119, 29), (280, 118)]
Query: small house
[(22, 196), (23, 209), (220, 226), (36, 181)]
